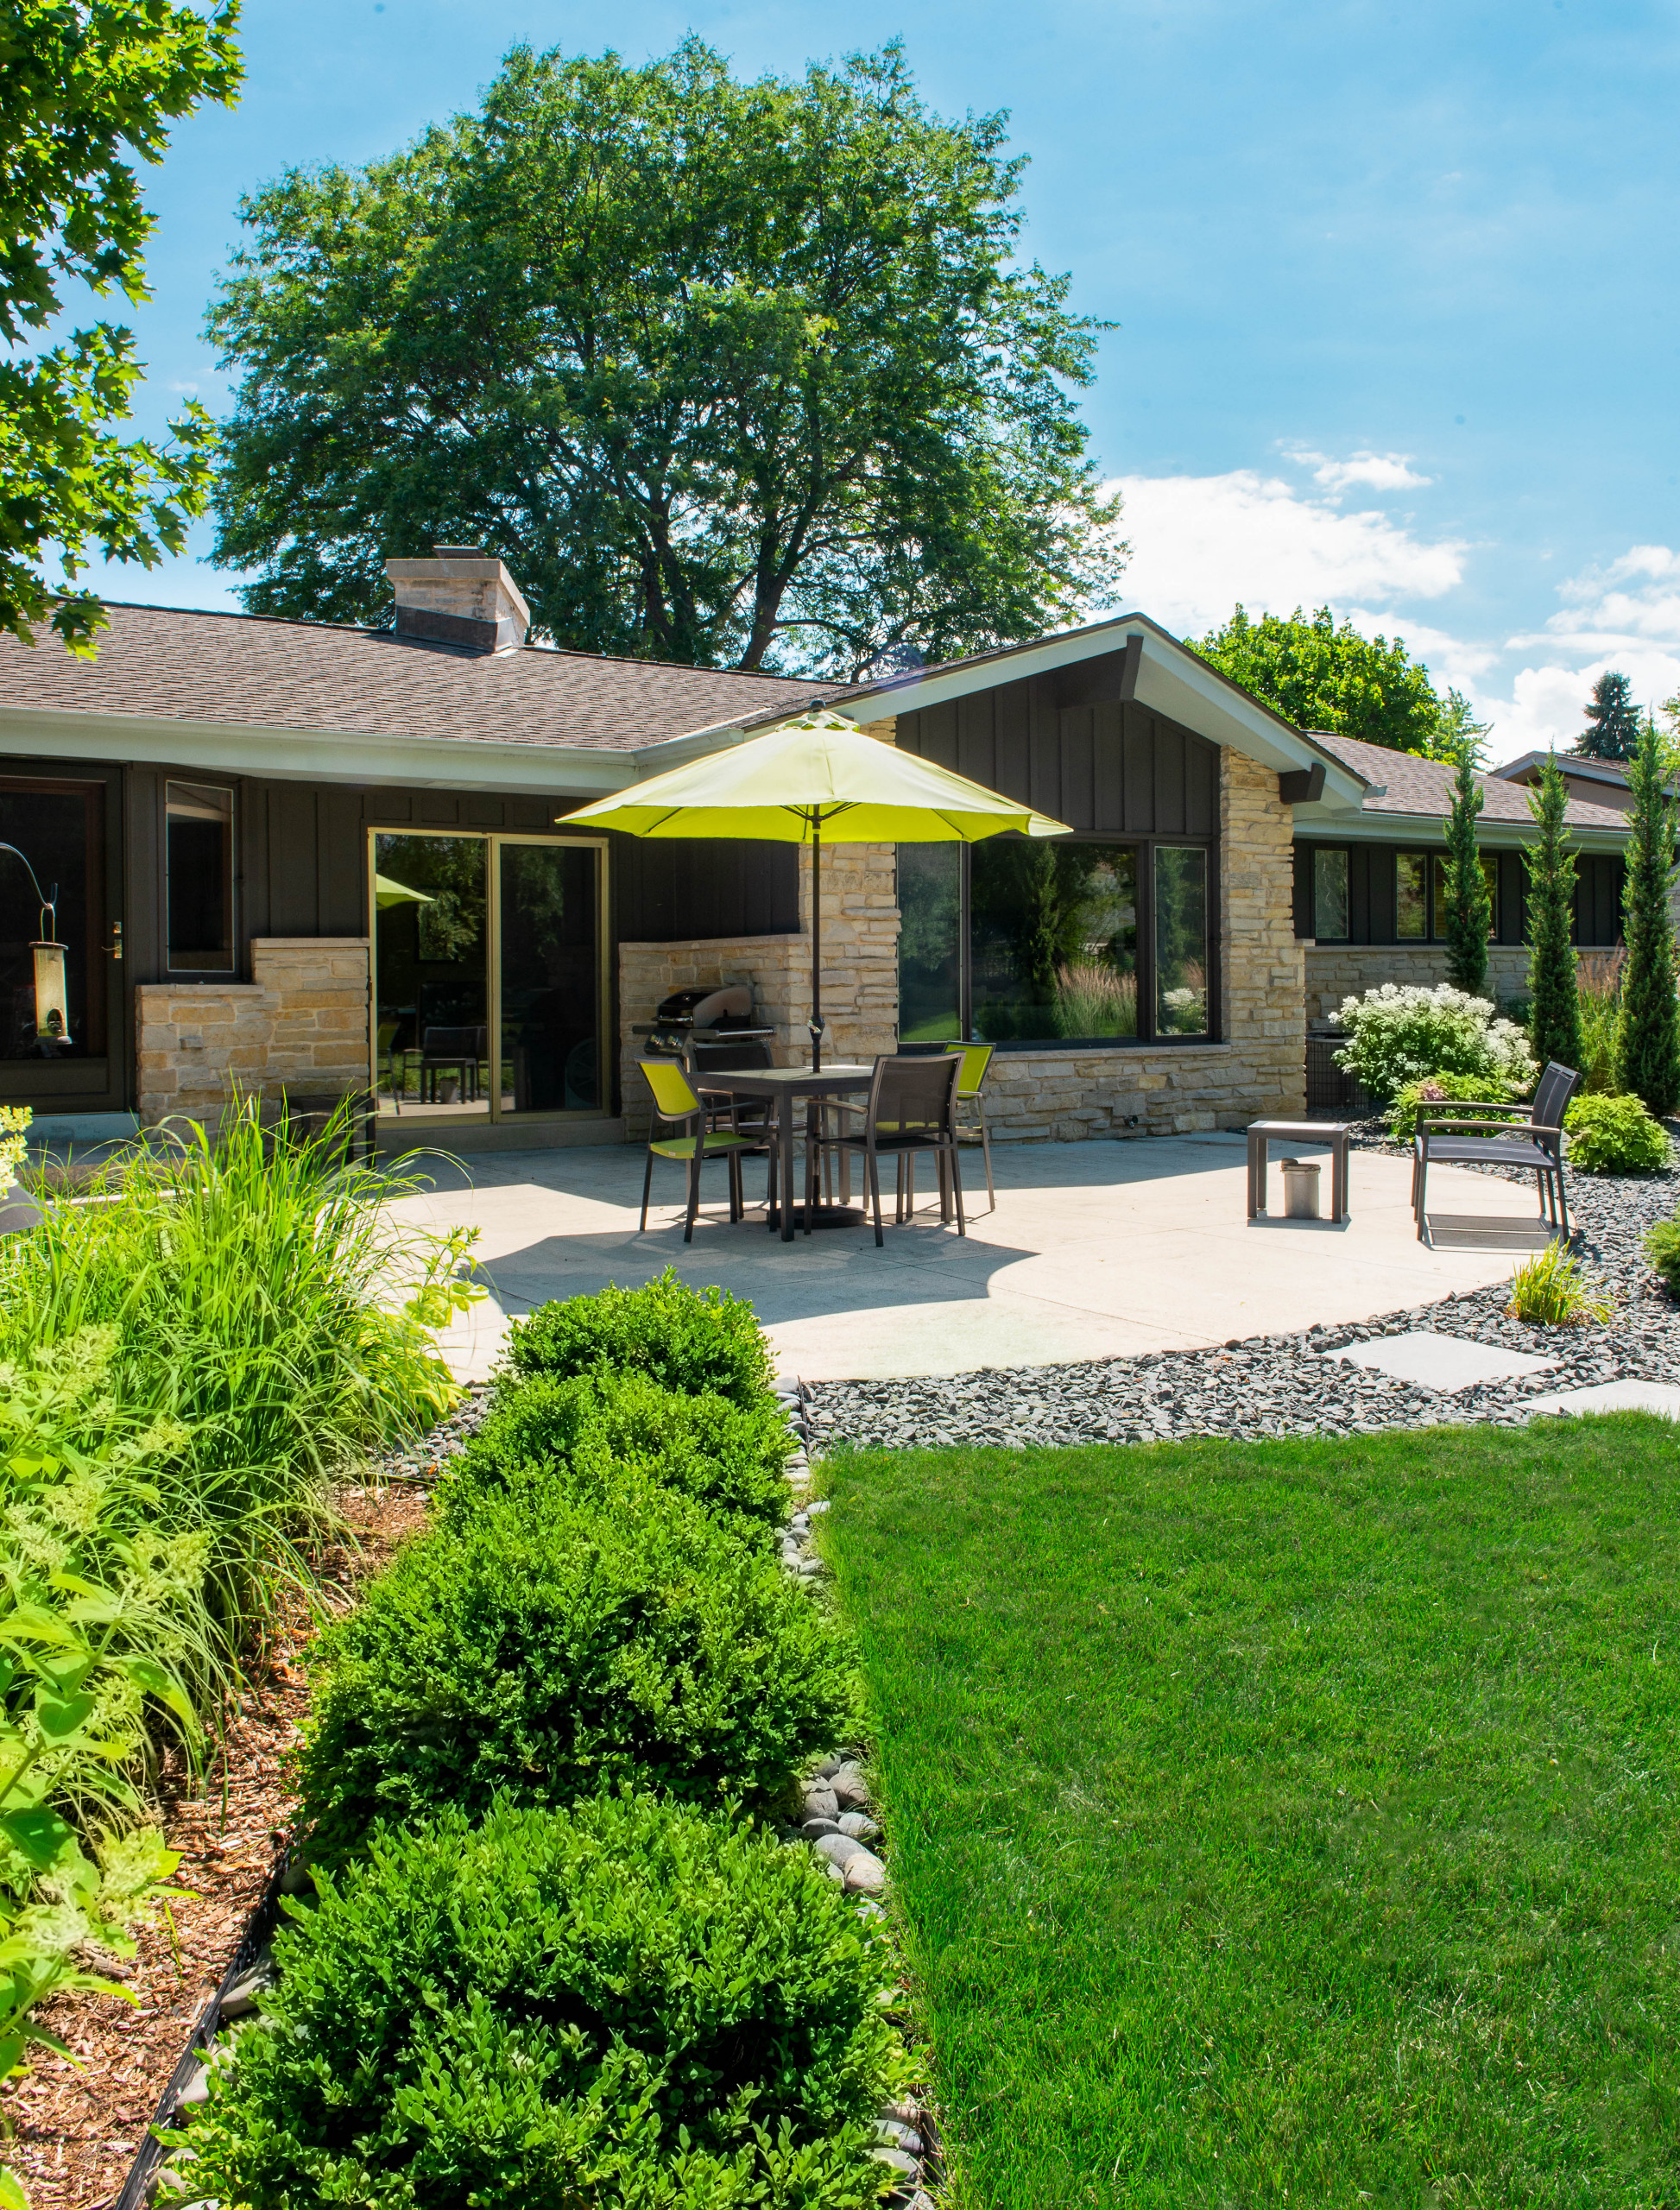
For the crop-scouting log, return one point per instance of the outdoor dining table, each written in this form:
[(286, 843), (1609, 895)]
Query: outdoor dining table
[(782, 1087)]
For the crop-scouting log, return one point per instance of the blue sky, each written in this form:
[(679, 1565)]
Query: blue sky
[(1399, 324)]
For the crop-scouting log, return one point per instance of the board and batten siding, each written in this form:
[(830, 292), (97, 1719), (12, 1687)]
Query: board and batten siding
[(1066, 744), (1372, 893)]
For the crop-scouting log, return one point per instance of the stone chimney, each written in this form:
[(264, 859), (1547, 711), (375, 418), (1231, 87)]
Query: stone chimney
[(458, 597)]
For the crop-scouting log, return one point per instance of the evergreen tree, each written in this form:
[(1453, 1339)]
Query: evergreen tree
[(1555, 1030), (1648, 1032), (1469, 907), (1613, 721)]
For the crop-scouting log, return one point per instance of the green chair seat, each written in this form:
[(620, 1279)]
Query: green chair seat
[(683, 1146)]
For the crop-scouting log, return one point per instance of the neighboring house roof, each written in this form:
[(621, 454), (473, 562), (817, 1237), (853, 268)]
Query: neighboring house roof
[(163, 663), (1422, 789)]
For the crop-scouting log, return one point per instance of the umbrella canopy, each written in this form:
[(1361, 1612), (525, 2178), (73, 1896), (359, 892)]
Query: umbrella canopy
[(387, 892), (815, 775), (812, 777)]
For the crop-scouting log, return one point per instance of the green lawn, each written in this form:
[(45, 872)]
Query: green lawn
[(1291, 1823)]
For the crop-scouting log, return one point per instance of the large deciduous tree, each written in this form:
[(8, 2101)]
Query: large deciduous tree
[(1648, 1027), (731, 374), (1321, 677), (1555, 1029), (1612, 720), (85, 86)]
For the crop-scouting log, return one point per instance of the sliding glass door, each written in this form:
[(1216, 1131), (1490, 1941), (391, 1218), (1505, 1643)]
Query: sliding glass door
[(489, 975)]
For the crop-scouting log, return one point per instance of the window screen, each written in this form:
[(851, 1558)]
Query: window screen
[(199, 877)]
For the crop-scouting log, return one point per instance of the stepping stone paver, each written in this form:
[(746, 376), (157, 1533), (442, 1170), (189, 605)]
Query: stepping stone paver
[(1442, 1362), (1660, 1396)]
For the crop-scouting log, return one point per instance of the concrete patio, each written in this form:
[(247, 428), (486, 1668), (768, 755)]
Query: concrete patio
[(1096, 1250)]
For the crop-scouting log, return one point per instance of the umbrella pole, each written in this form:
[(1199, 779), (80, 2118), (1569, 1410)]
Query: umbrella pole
[(817, 939)]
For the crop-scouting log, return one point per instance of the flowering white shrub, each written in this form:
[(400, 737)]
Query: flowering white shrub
[(14, 1142), (1401, 1032)]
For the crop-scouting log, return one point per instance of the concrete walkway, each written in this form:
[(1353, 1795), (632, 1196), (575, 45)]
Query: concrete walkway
[(1096, 1250)]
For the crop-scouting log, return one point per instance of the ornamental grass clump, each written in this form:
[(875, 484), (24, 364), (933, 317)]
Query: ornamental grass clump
[(690, 1339), (258, 1298), (730, 1458), (1552, 1290), (1615, 1135), (1662, 1249), (1402, 1033), (632, 2006), (550, 1643)]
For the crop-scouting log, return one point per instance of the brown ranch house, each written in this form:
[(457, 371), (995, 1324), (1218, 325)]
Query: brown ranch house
[(313, 860)]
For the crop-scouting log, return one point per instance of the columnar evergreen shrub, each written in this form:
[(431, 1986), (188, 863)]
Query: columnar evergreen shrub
[(728, 1457), (1648, 1032), (632, 2007), (1469, 906), (1615, 1135), (691, 1340), (549, 1643), (1401, 1032), (1555, 1024)]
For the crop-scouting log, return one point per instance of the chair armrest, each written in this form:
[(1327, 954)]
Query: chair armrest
[(1439, 1127), (1487, 1105)]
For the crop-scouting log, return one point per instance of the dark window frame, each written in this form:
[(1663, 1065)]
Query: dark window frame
[(195, 967), (1146, 1039)]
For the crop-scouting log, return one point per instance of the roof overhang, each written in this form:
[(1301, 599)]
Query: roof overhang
[(315, 755), (1161, 673), (1313, 822)]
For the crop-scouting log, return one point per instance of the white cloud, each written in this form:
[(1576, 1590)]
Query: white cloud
[(1625, 615), (1378, 471), (1202, 543)]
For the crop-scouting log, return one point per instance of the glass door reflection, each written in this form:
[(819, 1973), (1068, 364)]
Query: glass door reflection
[(432, 1055), (549, 994)]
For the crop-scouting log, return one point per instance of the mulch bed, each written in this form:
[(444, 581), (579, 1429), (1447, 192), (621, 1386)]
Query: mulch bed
[(77, 2130)]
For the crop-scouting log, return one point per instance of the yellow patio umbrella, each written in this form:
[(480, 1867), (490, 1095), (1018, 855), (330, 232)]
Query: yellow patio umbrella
[(814, 775), (388, 892)]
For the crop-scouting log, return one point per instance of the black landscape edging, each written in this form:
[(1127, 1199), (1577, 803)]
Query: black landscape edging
[(259, 1929)]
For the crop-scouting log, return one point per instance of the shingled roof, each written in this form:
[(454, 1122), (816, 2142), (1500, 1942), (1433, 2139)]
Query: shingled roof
[(241, 669), (1425, 787)]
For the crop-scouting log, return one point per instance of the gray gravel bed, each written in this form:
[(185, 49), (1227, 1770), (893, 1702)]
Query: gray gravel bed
[(1280, 1385)]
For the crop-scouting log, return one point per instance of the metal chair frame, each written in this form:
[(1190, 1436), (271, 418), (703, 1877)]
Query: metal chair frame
[(977, 1060), (912, 1108), (676, 1102), (1535, 1140)]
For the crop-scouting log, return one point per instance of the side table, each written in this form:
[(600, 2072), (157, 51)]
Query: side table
[(1262, 1135)]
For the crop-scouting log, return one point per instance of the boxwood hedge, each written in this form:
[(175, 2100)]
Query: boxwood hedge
[(552, 1642), (691, 1339), (633, 2006)]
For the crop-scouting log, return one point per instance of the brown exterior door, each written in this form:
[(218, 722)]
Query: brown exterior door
[(67, 831)]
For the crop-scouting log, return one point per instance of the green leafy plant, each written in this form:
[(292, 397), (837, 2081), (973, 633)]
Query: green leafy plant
[(1552, 1290), (728, 1457), (1402, 1033), (548, 1643), (1615, 1135), (691, 1339), (1662, 1249), (635, 2006), (1434, 1099), (261, 1299)]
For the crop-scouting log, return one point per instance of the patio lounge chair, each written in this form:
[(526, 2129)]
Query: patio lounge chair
[(674, 1101), (1534, 1141), (912, 1108)]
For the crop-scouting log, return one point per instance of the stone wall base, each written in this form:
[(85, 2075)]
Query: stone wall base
[(300, 1026), (1064, 1095), (1335, 971)]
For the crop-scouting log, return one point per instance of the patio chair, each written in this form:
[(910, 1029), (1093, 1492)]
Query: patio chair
[(675, 1102), (912, 1108), (461, 1049), (971, 1090), (1534, 1141)]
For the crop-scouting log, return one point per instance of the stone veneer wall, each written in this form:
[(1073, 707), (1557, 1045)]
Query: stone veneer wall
[(1258, 1070), (1335, 971), (300, 1026)]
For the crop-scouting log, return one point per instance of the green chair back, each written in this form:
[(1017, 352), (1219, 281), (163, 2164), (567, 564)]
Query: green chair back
[(977, 1058), (670, 1086)]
